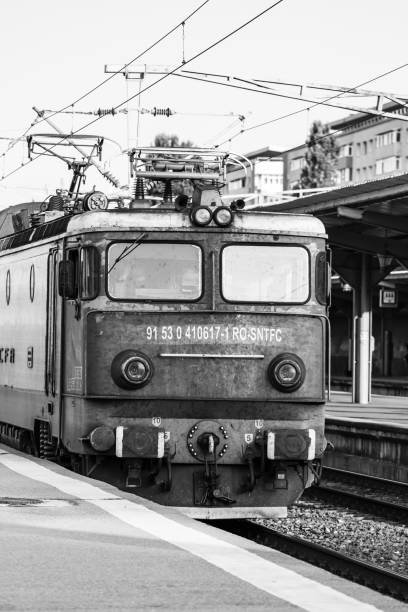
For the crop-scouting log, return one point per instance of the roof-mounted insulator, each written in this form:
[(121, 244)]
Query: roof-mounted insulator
[(139, 189), (56, 202), (35, 219), (165, 112), (110, 177), (168, 194)]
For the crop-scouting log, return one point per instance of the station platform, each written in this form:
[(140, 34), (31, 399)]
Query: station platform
[(68, 542), (383, 409), (380, 385)]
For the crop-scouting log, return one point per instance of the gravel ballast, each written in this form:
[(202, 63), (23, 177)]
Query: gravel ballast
[(364, 537)]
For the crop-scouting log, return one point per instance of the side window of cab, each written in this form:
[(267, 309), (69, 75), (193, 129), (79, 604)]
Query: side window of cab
[(78, 275), (68, 286), (89, 266)]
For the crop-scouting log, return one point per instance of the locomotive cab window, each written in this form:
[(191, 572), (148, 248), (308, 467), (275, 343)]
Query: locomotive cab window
[(68, 275), (89, 268), (154, 271), (265, 273)]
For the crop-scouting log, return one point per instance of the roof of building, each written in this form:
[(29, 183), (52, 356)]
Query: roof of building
[(355, 194), (264, 152), (356, 118)]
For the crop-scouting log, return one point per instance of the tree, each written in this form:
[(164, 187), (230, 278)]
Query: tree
[(156, 188), (170, 140), (320, 158)]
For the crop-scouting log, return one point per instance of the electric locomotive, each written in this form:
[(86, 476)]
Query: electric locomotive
[(174, 347)]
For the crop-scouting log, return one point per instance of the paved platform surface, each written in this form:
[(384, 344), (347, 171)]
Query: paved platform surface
[(72, 543), (382, 409)]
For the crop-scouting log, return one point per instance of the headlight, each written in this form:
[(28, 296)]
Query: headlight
[(201, 215), (287, 372), (223, 216), (131, 369)]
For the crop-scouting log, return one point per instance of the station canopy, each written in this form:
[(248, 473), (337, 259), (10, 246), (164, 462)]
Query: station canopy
[(369, 217)]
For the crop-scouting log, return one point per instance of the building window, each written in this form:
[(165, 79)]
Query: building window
[(365, 147), (387, 164), (237, 184), (346, 150), (358, 148), (297, 163), (345, 175), (387, 138)]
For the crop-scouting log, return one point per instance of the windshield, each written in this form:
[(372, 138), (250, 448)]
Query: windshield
[(265, 273), (154, 271)]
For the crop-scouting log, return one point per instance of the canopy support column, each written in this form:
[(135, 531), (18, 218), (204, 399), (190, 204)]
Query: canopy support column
[(362, 317)]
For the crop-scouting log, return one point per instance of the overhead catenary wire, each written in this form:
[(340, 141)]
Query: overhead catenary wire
[(308, 108), (155, 111), (188, 61), (194, 57), (37, 120), (14, 141)]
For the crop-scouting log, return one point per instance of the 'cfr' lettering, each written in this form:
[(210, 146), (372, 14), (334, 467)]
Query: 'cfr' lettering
[(7, 355)]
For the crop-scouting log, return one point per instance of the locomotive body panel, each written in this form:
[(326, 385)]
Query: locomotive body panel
[(23, 305), (204, 356), (30, 312)]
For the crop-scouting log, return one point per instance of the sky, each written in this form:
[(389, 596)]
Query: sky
[(51, 53)]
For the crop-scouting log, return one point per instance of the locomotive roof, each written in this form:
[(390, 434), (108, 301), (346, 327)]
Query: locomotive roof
[(161, 219)]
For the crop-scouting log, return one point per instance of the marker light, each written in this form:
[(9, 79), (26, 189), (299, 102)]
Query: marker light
[(223, 216), (131, 369), (201, 215), (102, 438), (135, 370), (287, 372)]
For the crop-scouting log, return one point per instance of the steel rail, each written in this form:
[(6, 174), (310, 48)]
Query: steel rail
[(377, 482), (372, 505), (370, 575)]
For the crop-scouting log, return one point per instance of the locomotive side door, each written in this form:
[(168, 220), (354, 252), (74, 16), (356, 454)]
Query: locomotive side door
[(53, 343), (72, 341), (63, 378)]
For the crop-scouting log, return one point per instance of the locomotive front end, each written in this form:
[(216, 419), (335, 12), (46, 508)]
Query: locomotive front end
[(204, 362)]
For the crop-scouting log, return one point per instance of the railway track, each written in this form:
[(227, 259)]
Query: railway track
[(364, 480), (372, 505), (375, 577), (378, 496)]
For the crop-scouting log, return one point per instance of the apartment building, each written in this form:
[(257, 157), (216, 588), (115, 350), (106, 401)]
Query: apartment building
[(263, 179), (371, 147)]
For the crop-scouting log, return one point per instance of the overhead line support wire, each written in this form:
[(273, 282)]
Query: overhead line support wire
[(158, 41), (308, 108), (269, 92), (216, 43), (120, 70)]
